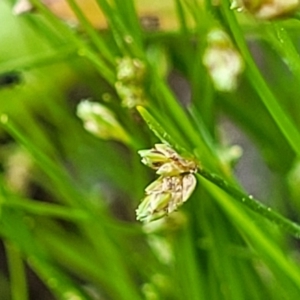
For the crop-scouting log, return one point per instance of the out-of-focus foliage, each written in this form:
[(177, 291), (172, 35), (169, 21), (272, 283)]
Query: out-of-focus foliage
[(166, 73)]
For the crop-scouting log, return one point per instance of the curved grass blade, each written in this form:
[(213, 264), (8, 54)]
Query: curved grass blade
[(255, 205), (269, 251), (159, 131)]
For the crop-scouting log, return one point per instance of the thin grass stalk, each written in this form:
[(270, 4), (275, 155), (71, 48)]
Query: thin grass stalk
[(283, 121), (17, 273), (91, 31), (83, 48)]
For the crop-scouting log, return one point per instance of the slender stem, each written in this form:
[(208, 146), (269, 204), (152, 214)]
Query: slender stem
[(282, 120), (125, 9), (123, 37), (281, 41), (191, 281), (83, 48), (16, 272), (265, 245), (93, 34), (181, 17), (57, 175), (38, 60), (47, 210), (254, 204)]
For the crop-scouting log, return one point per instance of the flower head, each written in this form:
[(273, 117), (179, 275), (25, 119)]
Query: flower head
[(22, 6), (130, 70), (165, 195), (130, 79), (166, 161), (266, 9), (175, 185), (223, 62), (101, 121), (131, 95)]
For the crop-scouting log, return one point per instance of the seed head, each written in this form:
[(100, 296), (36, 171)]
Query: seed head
[(131, 95), (165, 195), (101, 121), (22, 7), (130, 70), (266, 9), (223, 62), (166, 161)]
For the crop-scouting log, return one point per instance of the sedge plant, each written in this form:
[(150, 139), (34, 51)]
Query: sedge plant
[(116, 182)]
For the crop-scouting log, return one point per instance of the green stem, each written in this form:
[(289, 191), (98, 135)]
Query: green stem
[(275, 259), (253, 204), (83, 48), (181, 17), (132, 23), (93, 34), (123, 37), (190, 278), (16, 272), (59, 178), (47, 210), (281, 41), (186, 128), (38, 60), (282, 120)]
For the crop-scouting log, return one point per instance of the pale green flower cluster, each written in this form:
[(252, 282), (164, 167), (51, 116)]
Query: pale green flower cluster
[(174, 186), (101, 121), (22, 7), (130, 78), (222, 60), (266, 9)]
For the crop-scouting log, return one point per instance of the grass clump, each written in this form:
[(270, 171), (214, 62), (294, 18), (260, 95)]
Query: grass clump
[(82, 98)]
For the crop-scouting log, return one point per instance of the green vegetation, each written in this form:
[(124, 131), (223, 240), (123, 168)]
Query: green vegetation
[(80, 104)]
